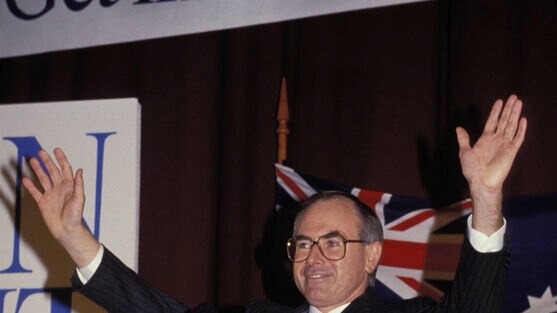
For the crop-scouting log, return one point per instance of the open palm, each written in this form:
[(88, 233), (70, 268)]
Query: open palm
[(489, 161), (61, 203)]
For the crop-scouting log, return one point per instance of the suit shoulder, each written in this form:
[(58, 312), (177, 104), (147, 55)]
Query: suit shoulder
[(266, 306), (418, 304)]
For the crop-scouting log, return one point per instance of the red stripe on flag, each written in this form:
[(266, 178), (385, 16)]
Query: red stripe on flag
[(415, 220), (403, 254), (292, 185), (370, 197), (423, 289), (466, 204), (436, 257)]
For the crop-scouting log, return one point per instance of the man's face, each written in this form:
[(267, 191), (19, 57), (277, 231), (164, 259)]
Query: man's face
[(328, 284)]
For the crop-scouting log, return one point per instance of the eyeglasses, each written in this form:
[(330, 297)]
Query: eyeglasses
[(332, 246)]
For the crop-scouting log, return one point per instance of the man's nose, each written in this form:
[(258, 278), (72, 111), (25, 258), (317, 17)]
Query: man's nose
[(315, 256)]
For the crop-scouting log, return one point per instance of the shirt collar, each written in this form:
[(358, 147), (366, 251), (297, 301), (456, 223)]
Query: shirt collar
[(339, 309)]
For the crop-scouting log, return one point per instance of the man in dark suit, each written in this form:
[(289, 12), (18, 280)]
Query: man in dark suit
[(336, 245)]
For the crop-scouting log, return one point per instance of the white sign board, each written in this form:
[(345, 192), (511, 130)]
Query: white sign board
[(103, 138), (35, 26)]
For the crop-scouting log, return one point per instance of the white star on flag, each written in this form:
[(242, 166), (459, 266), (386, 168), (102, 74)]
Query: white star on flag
[(547, 303)]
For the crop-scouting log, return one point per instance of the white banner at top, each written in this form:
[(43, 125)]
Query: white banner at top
[(37, 26)]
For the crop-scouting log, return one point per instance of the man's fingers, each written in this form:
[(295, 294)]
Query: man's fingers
[(79, 192), (521, 133), (462, 138), (41, 175), (53, 170), (35, 193), (510, 130), (491, 124), (65, 166), (505, 115)]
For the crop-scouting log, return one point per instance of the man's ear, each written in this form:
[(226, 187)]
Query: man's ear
[(373, 254)]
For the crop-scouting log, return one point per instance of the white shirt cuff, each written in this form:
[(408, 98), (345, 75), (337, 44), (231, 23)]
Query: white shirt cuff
[(85, 273), (483, 243)]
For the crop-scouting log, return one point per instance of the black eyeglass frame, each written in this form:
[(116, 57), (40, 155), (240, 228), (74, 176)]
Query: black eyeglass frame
[(292, 241)]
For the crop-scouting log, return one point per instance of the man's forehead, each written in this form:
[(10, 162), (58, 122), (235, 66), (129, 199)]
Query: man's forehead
[(333, 206), (330, 234), (335, 214)]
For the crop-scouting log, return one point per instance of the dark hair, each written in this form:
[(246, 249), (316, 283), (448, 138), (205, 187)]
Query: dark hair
[(371, 229)]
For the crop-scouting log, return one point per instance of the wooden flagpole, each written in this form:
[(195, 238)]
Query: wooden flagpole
[(282, 129)]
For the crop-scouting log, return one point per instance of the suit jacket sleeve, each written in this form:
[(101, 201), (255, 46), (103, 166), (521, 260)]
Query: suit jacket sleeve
[(479, 282), (118, 289)]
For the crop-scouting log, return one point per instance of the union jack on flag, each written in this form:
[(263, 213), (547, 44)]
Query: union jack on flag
[(422, 244)]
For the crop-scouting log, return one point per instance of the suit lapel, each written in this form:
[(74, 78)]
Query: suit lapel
[(366, 303), (304, 308)]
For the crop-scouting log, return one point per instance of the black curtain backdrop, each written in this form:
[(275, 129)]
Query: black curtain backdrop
[(374, 98)]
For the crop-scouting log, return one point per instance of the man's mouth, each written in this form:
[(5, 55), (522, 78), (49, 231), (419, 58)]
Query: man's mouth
[(315, 276)]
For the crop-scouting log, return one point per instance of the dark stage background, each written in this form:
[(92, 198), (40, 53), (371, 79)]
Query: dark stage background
[(374, 97)]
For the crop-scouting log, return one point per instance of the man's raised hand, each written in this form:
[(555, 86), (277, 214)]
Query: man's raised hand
[(487, 164), (61, 203)]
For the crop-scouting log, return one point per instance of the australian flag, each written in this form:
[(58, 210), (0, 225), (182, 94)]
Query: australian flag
[(422, 244)]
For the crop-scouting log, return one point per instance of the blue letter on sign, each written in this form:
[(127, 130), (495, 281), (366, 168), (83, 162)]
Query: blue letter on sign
[(28, 147), (101, 138), (3, 293), (12, 5)]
